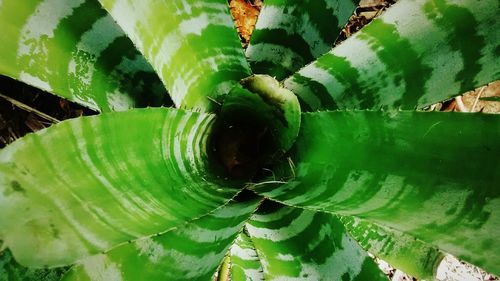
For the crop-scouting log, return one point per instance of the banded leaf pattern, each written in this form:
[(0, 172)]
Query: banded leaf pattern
[(192, 45), (433, 175), (74, 49), (289, 34), (416, 54), (245, 262), (400, 250), (191, 252), (85, 185), (297, 244)]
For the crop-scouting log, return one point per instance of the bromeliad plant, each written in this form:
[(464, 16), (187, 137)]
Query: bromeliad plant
[(276, 179)]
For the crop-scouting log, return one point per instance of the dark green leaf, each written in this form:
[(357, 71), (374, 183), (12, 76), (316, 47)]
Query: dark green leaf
[(416, 54), (289, 34), (75, 50), (433, 175), (192, 45), (87, 184), (296, 244)]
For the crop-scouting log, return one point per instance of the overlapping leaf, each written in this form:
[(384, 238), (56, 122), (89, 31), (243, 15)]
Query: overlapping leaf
[(88, 184), (402, 251), (192, 45), (416, 54), (289, 34), (431, 174), (296, 244), (10, 270), (245, 262), (74, 49), (191, 252)]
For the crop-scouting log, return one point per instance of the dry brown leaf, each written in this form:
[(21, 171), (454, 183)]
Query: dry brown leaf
[(245, 15)]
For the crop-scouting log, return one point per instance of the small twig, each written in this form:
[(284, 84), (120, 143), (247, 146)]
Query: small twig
[(252, 185), (477, 98), (292, 166), (214, 101), (30, 109)]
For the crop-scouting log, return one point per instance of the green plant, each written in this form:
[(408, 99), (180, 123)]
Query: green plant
[(162, 193)]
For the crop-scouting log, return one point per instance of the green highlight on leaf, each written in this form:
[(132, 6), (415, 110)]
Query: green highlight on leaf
[(296, 244), (86, 185), (421, 173), (191, 252)]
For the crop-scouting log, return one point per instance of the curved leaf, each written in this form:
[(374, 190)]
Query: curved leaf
[(10, 270), (74, 49), (416, 54), (88, 184), (400, 250), (191, 252), (191, 44), (245, 263), (297, 244), (433, 175), (289, 34)]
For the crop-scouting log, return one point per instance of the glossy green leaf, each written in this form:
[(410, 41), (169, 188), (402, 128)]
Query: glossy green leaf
[(87, 184), (191, 252), (74, 49), (10, 270), (192, 45), (245, 262), (297, 244), (289, 34), (400, 250), (431, 174), (416, 54)]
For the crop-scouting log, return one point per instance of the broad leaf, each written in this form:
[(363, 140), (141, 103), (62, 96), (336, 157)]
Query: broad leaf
[(191, 44), (431, 174), (10, 270), (74, 49), (191, 252), (289, 34), (245, 262), (297, 244), (85, 185), (416, 54), (402, 251)]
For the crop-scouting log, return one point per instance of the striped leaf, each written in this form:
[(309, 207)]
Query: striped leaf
[(191, 252), (192, 45), (431, 174), (10, 270), (402, 251), (74, 49), (296, 244), (245, 262), (85, 185), (289, 34), (416, 54)]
